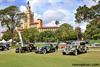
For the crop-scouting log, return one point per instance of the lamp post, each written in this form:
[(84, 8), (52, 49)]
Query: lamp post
[(20, 37)]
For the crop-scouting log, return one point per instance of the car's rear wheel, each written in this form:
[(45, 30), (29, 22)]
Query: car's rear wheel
[(86, 51), (44, 51), (17, 51), (22, 51), (36, 51), (63, 53)]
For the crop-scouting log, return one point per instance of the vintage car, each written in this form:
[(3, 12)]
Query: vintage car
[(76, 48), (29, 48), (47, 49), (96, 45), (4, 46)]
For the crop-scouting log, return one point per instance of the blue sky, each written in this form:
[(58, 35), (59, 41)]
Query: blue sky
[(51, 10)]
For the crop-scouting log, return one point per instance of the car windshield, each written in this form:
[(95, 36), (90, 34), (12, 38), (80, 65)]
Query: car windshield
[(74, 43), (82, 43), (45, 46)]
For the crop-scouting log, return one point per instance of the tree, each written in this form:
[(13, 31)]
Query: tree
[(46, 36), (57, 22), (91, 15), (86, 14), (11, 17), (78, 33), (93, 30), (65, 32), (30, 35), (83, 14), (6, 36)]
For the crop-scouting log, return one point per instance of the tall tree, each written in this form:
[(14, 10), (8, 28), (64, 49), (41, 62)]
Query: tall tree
[(56, 22), (86, 14), (46, 36), (65, 32), (91, 15), (6, 35), (11, 17), (93, 30), (30, 35), (78, 33)]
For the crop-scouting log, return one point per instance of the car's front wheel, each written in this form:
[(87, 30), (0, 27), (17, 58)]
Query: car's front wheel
[(44, 51), (76, 53), (17, 51)]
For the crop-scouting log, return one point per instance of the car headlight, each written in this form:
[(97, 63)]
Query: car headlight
[(38, 48), (64, 50)]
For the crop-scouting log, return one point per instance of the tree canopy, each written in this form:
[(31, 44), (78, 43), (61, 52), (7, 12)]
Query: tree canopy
[(10, 17), (65, 32), (30, 35), (91, 15)]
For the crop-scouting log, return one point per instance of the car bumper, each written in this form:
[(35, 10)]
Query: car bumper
[(68, 51), (38, 51)]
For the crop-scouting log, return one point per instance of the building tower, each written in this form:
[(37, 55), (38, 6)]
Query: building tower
[(30, 16), (39, 25)]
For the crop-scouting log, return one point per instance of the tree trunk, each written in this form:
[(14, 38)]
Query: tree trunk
[(12, 36)]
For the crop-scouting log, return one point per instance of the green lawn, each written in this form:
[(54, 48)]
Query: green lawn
[(94, 41), (12, 59)]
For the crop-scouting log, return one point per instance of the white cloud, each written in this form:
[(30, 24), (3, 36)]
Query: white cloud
[(59, 14), (82, 26), (36, 3), (2, 6), (90, 3), (37, 16), (22, 8), (63, 16), (52, 24), (55, 1), (49, 10)]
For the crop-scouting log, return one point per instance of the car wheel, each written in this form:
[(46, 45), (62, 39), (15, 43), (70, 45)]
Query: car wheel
[(86, 51), (44, 51), (54, 50), (36, 52), (76, 53), (63, 53), (17, 51), (22, 51)]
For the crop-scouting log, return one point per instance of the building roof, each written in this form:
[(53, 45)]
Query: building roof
[(48, 27), (34, 23)]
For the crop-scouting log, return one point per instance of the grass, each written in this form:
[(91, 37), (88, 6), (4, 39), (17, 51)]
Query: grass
[(40, 45), (12, 59), (94, 41)]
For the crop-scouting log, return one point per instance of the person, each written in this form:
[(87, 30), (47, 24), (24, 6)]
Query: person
[(7, 46), (51, 45)]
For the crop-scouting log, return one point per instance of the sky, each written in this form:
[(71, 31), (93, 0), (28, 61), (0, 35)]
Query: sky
[(51, 10)]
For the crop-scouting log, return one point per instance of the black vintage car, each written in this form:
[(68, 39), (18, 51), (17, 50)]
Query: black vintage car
[(47, 49), (4, 46), (29, 48), (76, 48)]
